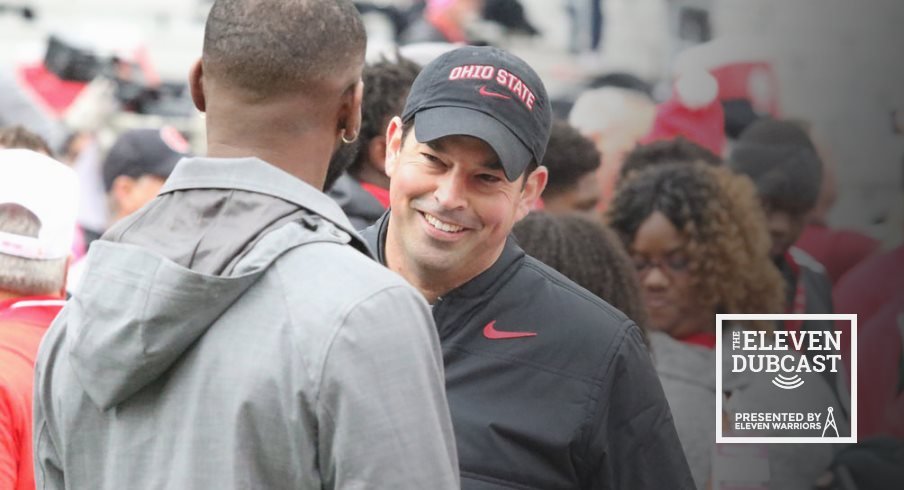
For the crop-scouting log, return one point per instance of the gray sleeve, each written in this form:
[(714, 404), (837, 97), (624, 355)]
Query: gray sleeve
[(382, 409), (48, 467)]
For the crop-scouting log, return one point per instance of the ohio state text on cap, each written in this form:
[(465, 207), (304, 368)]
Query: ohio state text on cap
[(486, 93)]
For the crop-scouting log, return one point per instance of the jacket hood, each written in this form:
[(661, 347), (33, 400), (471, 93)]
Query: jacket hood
[(144, 300)]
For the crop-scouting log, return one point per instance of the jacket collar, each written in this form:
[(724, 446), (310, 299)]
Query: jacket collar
[(254, 175), (479, 285)]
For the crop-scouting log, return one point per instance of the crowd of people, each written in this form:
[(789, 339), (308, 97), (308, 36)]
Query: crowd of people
[(424, 274)]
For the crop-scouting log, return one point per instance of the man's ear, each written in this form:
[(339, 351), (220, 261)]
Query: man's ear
[(350, 122), (121, 190), (196, 86), (393, 145), (376, 153), (533, 188)]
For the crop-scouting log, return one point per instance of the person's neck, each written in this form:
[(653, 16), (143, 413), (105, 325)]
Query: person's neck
[(372, 175), (294, 136), (306, 158)]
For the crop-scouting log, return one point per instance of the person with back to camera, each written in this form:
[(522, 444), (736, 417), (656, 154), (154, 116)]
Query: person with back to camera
[(234, 332)]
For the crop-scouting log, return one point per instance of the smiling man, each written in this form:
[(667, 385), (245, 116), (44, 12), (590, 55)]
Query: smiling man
[(548, 386)]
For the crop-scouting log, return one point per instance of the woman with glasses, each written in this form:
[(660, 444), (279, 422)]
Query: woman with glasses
[(698, 239), (699, 243)]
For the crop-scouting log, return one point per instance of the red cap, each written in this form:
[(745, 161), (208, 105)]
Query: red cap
[(693, 112)]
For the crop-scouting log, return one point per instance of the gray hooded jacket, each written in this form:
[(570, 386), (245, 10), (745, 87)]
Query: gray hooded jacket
[(228, 335)]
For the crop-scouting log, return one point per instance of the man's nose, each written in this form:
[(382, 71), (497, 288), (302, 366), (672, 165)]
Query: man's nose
[(450, 191)]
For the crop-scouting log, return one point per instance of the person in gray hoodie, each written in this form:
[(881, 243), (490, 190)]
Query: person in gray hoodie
[(234, 332)]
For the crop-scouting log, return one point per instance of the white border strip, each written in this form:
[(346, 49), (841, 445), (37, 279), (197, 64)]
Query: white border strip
[(720, 439)]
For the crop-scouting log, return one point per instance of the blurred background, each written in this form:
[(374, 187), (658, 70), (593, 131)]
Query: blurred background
[(101, 66)]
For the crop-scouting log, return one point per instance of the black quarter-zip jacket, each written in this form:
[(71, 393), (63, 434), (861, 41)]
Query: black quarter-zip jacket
[(578, 405)]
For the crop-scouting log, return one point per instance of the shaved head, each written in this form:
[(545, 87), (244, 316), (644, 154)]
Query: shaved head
[(271, 47)]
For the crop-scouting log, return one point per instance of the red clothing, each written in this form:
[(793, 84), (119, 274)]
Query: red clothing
[(880, 394), (870, 285), (704, 339), (23, 322), (379, 193), (452, 32), (838, 250)]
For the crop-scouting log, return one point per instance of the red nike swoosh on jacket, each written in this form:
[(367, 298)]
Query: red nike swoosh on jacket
[(486, 93), (490, 332)]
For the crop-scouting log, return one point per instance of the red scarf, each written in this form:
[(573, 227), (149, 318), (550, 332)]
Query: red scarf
[(703, 339)]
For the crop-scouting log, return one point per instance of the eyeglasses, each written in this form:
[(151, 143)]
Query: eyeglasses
[(670, 265)]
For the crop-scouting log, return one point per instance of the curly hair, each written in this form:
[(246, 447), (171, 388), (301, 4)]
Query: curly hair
[(569, 156), (718, 212), (386, 85), (587, 252), (675, 150)]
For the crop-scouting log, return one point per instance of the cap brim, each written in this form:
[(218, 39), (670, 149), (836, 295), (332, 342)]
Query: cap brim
[(438, 122)]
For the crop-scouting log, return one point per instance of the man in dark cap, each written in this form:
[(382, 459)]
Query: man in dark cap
[(137, 166), (548, 385)]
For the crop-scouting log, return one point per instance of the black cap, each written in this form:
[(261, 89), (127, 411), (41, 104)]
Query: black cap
[(486, 93), (139, 152)]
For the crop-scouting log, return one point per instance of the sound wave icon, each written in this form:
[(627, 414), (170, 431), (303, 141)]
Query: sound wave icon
[(788, 382)]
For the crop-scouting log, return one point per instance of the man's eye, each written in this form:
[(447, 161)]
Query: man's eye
[(432, 159), (489, 178)]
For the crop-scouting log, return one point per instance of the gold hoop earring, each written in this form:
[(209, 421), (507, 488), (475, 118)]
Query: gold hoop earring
[(348, 141)]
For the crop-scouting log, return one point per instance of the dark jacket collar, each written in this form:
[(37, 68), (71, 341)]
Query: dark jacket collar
[(375, 236)]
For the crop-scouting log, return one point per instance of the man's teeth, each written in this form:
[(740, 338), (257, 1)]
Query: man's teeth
[(439, 225)]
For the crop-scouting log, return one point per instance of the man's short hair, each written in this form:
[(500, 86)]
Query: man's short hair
[(27, 277), (20, 137), (781, 159), (569, 157), (271, 47), (386, 85), (660, 152)]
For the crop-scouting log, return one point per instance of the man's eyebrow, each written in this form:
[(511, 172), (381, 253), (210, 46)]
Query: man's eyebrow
[(493, 163), (436, 145)]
